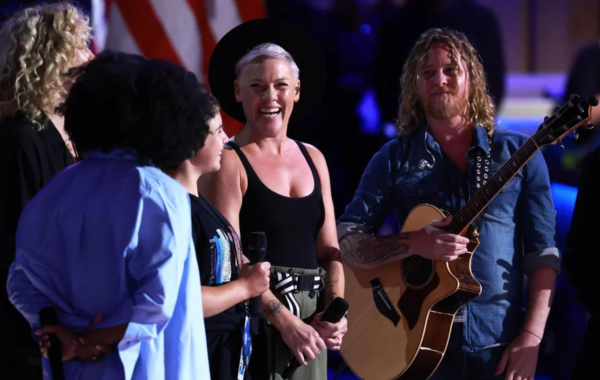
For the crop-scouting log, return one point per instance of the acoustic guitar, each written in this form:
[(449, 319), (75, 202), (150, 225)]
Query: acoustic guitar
[(402, 313)]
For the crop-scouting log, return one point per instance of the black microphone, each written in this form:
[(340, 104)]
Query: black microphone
[(334, 312), (257, 252), (49, 317)]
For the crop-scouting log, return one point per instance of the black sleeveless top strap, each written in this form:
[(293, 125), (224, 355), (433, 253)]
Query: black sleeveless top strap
[(291, 224)]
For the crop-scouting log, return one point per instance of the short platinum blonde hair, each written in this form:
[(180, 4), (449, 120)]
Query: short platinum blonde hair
[(266, 51), (38, 46)]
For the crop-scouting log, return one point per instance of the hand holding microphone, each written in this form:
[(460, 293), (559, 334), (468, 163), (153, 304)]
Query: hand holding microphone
[(258, 274), (333, 314), (333, 332), (48, 317)]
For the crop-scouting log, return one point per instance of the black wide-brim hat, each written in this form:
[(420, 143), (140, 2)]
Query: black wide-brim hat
[(241, 39)]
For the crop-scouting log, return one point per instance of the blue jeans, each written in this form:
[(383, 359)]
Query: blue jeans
[(459, 365)]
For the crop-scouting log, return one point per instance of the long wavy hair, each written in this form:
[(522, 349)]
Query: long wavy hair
[(480, 106), (38, 46)]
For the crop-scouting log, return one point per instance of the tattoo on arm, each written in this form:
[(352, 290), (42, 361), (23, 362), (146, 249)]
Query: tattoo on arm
[(367, 251), (272, 309), (332, 278)]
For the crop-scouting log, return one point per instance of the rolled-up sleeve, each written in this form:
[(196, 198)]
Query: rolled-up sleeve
[(538, 218), (346, 229)]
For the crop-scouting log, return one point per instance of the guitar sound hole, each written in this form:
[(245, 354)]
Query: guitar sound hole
[(417, 271)]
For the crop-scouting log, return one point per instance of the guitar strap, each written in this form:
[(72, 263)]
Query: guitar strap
[(483, 165), (482, 171)]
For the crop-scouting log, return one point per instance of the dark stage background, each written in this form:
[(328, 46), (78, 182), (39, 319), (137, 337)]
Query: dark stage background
[(528, 48)]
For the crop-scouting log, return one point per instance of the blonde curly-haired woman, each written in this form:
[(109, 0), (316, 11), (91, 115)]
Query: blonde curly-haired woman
[(38, 47)]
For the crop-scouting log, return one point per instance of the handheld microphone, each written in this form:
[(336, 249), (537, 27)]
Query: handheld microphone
[(332, 314), (257, 252), (257, 247), (49, 317)]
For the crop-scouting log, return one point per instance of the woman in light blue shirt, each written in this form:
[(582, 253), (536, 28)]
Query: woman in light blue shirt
[(111, 235)]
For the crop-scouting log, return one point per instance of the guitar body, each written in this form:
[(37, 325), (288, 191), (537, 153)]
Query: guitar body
[(401, 314)]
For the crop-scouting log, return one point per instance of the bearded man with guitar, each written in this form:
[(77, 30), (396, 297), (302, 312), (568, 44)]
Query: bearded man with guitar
[(424, 303)]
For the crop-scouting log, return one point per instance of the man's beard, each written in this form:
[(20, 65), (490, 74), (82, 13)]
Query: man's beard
[(447, 106)]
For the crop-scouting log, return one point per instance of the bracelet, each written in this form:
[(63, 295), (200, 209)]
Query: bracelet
[(534, 334)]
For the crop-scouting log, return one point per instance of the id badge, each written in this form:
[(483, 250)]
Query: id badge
[(246, 351)]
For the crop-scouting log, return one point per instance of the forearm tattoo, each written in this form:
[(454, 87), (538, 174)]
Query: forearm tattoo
[(367, 251), (332, 278), (272, 309)]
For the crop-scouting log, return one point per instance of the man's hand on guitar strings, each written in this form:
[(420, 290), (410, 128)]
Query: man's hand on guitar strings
[(434, 243)]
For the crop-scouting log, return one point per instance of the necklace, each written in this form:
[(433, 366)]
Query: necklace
[(72, 150)]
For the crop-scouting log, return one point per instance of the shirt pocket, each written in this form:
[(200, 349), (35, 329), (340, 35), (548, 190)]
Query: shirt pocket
[(505, 203), (419, 193)]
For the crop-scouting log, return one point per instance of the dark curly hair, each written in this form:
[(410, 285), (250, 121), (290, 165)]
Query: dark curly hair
[(153, 106)]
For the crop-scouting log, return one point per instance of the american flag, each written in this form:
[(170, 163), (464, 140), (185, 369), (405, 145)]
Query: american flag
[(182, 31)]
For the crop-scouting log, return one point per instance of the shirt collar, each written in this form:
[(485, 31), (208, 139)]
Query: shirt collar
[(425, 137), (480, 139), (114, 154)]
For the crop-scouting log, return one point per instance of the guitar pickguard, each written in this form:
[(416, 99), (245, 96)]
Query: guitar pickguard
[(383, 303)]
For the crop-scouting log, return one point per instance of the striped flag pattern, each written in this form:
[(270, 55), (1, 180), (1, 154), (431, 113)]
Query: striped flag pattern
[(184, 32)]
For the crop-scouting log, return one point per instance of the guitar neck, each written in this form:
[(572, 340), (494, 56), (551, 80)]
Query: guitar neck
[(465, 216)]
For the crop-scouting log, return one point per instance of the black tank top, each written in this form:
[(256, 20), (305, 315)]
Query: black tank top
[(291, 224)]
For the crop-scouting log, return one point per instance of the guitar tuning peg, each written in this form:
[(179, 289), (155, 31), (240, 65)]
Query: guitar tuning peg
[(561, 144), (589, 126), (575, 135)]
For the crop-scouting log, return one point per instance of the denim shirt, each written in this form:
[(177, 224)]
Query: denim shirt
[(517, 229)]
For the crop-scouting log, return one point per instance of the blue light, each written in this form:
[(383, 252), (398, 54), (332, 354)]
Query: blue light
[(524, 124), (365, 29), (369, 114), (564, 197)]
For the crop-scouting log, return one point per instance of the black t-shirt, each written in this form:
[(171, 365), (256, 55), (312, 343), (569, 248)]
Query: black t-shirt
[(218, 250)]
